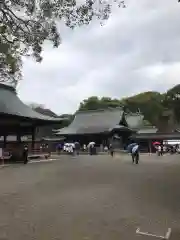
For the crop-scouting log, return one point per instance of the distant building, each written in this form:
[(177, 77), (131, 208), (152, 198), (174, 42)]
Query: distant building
[(166, 129), (101, 126)]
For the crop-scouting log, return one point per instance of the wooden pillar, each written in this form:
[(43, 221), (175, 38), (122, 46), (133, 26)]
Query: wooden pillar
[(17, 151), (150, 147), (33, 137), (4, 141), (18, 137)]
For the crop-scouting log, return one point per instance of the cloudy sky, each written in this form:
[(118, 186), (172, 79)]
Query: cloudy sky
[(137, 50)]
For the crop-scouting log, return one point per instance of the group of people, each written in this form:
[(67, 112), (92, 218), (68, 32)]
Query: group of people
[(72, 148), (162, 149), (75, 148)]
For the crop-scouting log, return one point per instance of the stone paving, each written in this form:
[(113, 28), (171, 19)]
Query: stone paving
[(91, 198)]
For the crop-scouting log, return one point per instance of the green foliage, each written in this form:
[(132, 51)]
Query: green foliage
[(26, 24), (151, 104), (94, 103), (172, 101)]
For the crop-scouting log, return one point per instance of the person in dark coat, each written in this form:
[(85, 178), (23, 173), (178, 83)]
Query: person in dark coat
[(91, 149), (25, 154), (135, 154), (77, 147), (161, 152)]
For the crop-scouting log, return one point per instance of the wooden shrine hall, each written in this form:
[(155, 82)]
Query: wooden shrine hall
[(18, 119), (101, 126)]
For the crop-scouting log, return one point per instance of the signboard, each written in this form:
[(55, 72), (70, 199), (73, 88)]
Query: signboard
[(172, 142)]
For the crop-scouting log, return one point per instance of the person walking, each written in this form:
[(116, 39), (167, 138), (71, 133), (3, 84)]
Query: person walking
[(25, 155), (111, 150), (77, 147), (135, 154), (159, 150)]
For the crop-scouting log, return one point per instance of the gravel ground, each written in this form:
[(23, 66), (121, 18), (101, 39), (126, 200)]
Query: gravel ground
[(90, 198)]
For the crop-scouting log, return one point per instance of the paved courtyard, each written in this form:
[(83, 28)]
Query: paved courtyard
[(90, 198)]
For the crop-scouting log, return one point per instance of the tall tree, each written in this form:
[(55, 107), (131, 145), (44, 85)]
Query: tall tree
[(94, 103), (149, 103), (26, 24), (172, 101)]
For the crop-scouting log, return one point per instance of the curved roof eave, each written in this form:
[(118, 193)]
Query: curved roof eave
[(93, 130), (93, 121), (11, 105)]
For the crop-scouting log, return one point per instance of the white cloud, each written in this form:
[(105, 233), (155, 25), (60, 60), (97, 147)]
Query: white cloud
[(137, 50)]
